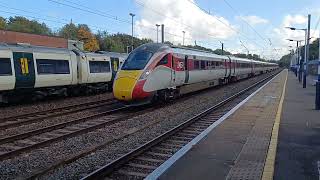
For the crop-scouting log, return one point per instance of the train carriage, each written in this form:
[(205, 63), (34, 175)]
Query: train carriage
[(35, 72), (158, 71)]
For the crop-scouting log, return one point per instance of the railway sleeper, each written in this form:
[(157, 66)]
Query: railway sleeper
[(132, 173), (143, 166), (181, 138), (149, 159)]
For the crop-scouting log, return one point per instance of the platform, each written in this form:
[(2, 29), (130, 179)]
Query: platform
[(244, 145), (298, 152)]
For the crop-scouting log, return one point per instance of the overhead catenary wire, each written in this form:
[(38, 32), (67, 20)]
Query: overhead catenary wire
[(65, 21), (227, 25), (231, 7), (177, 20)]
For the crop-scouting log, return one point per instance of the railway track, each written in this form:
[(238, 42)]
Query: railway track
[(29, 118), (140, 162), (20, 143)]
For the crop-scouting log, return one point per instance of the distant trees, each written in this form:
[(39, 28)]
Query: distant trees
[(69, 31), (118, 42), (3, 23), (219, 52), (81, 32), (285, 61), (22, 24), (313, 54)]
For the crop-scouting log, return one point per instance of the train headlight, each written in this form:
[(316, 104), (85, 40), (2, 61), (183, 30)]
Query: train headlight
[(145, 74)]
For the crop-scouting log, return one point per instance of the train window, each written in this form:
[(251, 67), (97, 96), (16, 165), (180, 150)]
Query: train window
[(196, 64), (99, 66), (50, 66), (203, 65), (137, 60), (5, 67), (163, 61)]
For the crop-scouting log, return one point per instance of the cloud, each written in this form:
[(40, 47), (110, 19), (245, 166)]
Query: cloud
[(297, 19), (281, 34), (253, 20), (178, 16)]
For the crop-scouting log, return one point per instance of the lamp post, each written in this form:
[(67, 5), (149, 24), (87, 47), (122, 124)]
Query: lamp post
[(298, 58), (157, 32), (305, 56), (305, 51), (132, 15), (183, 37)]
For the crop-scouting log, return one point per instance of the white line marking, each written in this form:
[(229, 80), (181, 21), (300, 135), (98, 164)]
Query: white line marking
[(166, 165)]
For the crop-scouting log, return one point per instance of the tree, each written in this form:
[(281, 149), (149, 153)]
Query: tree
[(69, 31), (90, 41), (101, 36), (3, 23), (22, 24), (285, 61), (314, 50), (219, 52)]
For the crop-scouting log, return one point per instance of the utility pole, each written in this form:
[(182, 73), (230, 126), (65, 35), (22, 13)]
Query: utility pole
[(221, 48), (306, 54), (162, 33), (297, 58), (157, 31), (132, 15), (183, 37)]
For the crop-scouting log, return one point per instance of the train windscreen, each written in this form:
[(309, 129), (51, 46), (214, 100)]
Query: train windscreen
[(137, 60)]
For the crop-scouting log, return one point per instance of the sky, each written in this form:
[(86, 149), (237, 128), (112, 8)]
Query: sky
[(254, 26)]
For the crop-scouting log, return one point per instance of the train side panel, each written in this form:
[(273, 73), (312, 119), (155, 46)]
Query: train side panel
[(99, 69), (7, 77), (54, 69)]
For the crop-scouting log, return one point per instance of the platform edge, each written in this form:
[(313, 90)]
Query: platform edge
[(268, 170)]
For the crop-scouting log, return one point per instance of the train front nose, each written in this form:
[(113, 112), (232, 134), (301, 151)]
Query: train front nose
[(124, 84)]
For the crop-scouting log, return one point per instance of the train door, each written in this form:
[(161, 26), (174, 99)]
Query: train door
[(234, 67), (225, 68), (229, 67), (24, 70), (114, 66), (173, 72), (186, 69)]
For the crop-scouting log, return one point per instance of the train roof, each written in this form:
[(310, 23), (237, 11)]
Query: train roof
[(113, 54), (28, 47), (196, 52)]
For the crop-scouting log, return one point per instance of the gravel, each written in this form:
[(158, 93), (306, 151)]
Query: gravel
[(14, 110), (52, 121), (160, 120)]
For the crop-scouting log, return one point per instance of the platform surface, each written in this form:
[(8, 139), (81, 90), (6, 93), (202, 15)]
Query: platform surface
[(298, 152), (238, 147)]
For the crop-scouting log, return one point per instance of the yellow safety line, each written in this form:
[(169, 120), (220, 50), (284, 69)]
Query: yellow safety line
[(271, 156)]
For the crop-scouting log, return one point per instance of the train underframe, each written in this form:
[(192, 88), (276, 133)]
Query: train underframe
[(36, 94)]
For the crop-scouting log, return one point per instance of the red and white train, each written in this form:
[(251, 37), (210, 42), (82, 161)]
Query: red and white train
[(159, 71)]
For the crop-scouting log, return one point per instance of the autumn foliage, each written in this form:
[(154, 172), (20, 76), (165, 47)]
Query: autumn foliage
[(90, 41)]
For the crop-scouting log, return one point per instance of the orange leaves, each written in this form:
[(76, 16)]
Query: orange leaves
[(90, 41)]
